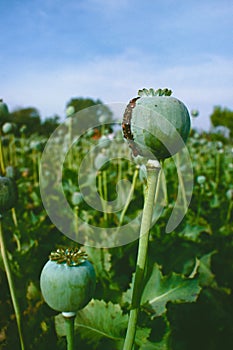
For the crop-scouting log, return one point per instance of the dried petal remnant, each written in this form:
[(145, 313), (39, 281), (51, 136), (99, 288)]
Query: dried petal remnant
[(126, 125), (72, 257)]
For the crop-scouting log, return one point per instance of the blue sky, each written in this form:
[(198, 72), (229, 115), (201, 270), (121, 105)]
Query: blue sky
[(53, 50)]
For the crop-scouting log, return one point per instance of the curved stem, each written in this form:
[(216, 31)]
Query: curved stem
[(217, 174), (129, 196), (181, 182), (230, 207), (11, 284), (199, 203), (2, 166), (100, 189), (70, 154), (76, 209), (153, 169), (69, 323), (14, 218), (105, 190)]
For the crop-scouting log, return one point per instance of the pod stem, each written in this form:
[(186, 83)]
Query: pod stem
[(69, 323), (2, 166), (101, 193), (11, 284), (153, 170), (127, 203)]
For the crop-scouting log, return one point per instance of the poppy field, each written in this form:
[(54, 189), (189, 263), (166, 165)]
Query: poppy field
[(186, 301)]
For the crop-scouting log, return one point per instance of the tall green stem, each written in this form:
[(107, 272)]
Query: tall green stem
[(11, 284), (69, 323), (181, 182), (2, 166), (129, 196), (100, 189), (70, 153), (153, 169), (230, 207)]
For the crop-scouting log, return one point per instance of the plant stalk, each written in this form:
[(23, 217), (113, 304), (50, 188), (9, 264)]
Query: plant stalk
[(11, 284), (127, 203), (100, 189), (153, 170), (69, 322), (2, 166)]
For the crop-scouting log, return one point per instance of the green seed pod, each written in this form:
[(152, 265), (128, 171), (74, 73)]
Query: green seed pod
[(77, 198), (8, 194), (7, 128), (201, 179), (23, 129), (194, 113), (104, 142), (70, 110), (3, 109), (36, 145), (156, 124), (67, 280), (229, 194)]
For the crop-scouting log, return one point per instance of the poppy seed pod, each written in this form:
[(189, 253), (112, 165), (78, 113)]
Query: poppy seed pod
[(68, 280), (8, 128), (156, 124)]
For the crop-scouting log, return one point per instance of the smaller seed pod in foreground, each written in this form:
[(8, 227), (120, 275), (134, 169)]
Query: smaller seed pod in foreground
[(156, 124), (68, 280), (8, 194)]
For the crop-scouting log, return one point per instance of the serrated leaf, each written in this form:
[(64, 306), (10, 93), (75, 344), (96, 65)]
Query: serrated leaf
[(141, 335), (127, 295), (193, 233), (101, 320), (160, 289), (155, 346), (161, 344), (206, 278)]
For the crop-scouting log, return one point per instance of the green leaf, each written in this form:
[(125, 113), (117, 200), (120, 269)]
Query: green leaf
[(33, 292), (193, 233), (206, 278), (142, 335), (162, 345), (160, 290), (162, 342), (100, 320), (101, 260), (155, 346), (127, 295)]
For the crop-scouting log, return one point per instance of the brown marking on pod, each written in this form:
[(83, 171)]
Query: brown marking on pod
[(126, 126)]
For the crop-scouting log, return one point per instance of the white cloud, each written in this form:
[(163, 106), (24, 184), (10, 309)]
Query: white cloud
[(199, 85)]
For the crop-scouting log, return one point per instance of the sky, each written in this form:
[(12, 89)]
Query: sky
[(55, 50)]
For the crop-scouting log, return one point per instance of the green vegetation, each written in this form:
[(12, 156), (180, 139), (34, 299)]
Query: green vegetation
[(222, 117), (187, 299)]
